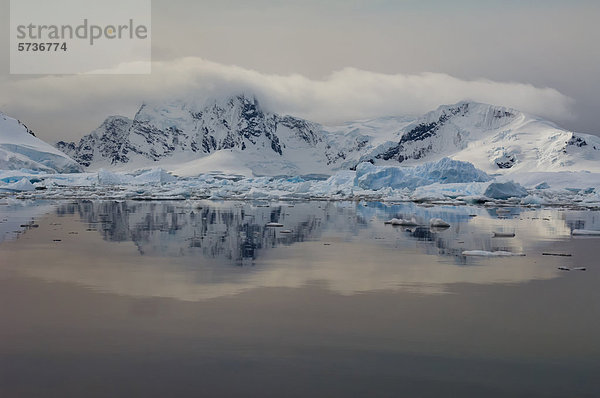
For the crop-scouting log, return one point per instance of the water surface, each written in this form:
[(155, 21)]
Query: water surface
[(202, 298)]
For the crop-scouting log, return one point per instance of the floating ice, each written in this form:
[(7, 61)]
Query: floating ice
[(504, 234), (586, 232), (485, 253), (154, 176), (19, 186), (273, 224), (439, 223), (106, 177), (444, 171), (142, 177), (368, 183), (470, 192), (532, 200), (400, 221), (505, 190)]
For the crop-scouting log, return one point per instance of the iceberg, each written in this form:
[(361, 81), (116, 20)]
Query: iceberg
[(400, 221), (19, 186), (368, 183), (505, 190), (503, 235), (484, 253), (586, 232), (438, 223), (154, 176), (444, 171), (142, 177), (106, 177), (274, 225)]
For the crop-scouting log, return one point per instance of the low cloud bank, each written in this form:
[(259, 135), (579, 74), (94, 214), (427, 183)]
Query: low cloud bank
[(71, 106)]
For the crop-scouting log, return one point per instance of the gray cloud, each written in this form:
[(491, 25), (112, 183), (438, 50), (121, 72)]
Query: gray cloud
[(346, 94), (544, 43)]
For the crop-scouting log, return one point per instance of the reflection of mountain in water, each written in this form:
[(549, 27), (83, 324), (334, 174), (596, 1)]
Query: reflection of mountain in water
[(236, 231), (187, 248), (232, 232)]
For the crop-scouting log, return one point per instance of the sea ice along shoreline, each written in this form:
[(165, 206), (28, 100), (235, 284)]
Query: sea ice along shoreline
[(446, 181)]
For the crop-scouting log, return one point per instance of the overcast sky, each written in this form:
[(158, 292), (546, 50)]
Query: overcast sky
[(338, 60)]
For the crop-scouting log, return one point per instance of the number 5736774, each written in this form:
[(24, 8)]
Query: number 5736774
[(39, 47)]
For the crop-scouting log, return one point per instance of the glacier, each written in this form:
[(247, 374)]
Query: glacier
[(21, 149)]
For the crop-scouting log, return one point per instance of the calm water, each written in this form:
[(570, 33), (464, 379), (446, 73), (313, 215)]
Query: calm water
[(156, 299)]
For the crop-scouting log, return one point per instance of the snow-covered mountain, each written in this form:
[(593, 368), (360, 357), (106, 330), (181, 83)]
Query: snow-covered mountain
[(495, 139), (21, 149), (234, 135), (237, 136)]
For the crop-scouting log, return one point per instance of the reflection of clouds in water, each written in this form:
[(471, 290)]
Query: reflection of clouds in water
[(190, 250), (14, 213)]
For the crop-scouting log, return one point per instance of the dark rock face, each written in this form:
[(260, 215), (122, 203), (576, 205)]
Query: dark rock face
[(505, 165), (506, 162), (109, 142), (576, 141), (303, 129), (66, 147), (499, 114), (421, 132)]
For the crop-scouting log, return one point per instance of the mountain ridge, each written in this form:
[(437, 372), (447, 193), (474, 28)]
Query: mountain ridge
[(237, 135), (496, 139), (179, 132)]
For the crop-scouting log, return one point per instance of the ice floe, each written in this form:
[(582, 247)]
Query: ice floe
[(401, 221), (503, 234), (485, 253), (586, 232), (506, 190), (274, 224), (23, 184), (438, 223)]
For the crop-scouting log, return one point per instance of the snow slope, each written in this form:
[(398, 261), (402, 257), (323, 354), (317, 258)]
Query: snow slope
[(237, 136), (20, 149), (494, 139)]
